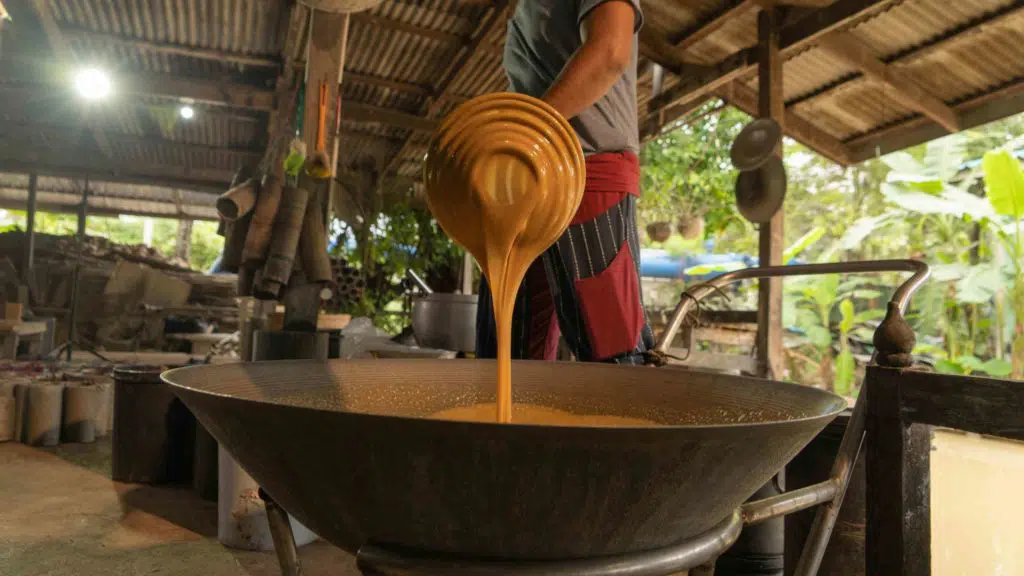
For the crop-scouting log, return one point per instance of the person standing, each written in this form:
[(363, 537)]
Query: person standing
[(580, 56)]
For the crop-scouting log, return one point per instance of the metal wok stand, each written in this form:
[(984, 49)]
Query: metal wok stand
[(894, 340)]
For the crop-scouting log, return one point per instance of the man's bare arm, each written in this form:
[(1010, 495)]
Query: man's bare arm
[(606, 54)]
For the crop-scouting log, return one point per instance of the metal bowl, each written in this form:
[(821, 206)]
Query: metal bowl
[(344, 448), (445, 321)]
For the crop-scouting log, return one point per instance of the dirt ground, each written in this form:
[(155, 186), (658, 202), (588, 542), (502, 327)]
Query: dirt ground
[(61, 515)]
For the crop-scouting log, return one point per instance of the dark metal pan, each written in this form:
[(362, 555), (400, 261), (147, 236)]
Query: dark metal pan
[(344, 447)]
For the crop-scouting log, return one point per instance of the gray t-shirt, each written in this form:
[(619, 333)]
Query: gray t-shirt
[(542, 36)]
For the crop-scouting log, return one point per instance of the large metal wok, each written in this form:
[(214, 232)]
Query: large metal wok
[(345, 448)]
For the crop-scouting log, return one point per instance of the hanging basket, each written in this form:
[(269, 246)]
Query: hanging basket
[(341, 6), (691, 227), (659, 231)]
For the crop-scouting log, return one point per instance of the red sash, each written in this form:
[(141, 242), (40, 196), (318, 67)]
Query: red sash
[(610, 176)]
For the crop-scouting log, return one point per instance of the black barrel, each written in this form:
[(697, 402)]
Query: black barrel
[(153, 434), (759, 549), (845, 553)]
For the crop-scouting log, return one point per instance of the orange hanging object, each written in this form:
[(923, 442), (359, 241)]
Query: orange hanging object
[(319, 166)]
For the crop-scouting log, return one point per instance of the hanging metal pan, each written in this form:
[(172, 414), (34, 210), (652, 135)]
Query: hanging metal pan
[(756, 144), (760, 192)]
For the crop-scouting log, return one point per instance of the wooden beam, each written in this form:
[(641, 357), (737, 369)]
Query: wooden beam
[(996, 105), (208, 92), (77, 162), (796, 127), (23, 130), (656, 122), (730, 11), (324, 63), (74, 33), (368, 19), (945, 41), (366, 113), (281, 120), (400, 86), (849, 48), (62, 51), (434, 103), (792, 39), (770, 351), (126, 176), (98, 208), (981, 405), (660, 50)]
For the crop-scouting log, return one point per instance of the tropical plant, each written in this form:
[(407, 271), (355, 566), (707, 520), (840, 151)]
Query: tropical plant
[(819, 303), (687, 171)]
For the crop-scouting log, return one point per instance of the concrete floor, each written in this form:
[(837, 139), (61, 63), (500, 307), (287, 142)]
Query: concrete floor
[(61, 515)]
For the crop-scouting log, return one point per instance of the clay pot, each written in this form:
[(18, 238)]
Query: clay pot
[(691, 227), (659, 231)]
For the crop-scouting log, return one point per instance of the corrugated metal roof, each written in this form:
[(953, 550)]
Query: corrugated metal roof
[(399, 52), (65, 194)]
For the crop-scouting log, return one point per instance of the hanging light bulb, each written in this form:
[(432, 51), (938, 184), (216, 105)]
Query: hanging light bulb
[(92, 84)]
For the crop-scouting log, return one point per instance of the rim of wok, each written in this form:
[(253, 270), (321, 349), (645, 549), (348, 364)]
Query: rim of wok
[(840, 403)]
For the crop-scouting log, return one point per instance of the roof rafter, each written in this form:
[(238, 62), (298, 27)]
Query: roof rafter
[(366, 113), (441, 36), (78, 162), (1006, 101), (398, 85), (434, 102), (62, 51), (733, 9), (850, 49), (20, 129), (944, 41), (74, 33), (793, 38)]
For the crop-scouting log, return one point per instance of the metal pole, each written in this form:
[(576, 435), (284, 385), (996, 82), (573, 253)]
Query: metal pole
[(690, 298), (842, 470), (283, 537), (83, 214), (704, 548), (30, 230)]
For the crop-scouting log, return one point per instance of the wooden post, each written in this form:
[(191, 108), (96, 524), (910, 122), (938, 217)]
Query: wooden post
[(898, 464), (83, 212), (324, 61), (30, 230), (770, 358), (83, 215)]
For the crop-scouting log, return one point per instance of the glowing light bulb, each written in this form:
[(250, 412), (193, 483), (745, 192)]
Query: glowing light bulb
[(187, 112), (92, 84)]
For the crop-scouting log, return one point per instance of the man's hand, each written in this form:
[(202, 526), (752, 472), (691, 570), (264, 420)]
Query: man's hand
[(606, 54)]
